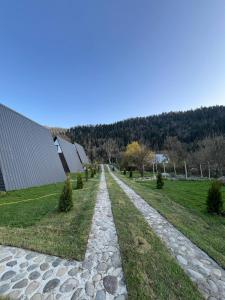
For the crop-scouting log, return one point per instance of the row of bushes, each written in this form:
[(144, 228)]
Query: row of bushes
[(66, 198)]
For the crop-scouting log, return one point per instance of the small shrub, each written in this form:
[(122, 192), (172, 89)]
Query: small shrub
[(86, 174), (2, 194), (124, 172), (66, 198), (92, 172), (79, 181), (131, 174), (113, 168), (159, 181), (214, 199)]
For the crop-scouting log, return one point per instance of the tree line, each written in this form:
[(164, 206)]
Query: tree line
[(192, 130)]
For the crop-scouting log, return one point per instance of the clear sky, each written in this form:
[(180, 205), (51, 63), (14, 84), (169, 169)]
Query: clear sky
[(70, 62)]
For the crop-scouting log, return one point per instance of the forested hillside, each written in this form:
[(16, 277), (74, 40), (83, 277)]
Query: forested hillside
[(189, 127)]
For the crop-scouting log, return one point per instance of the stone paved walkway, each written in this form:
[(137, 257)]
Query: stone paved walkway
[(205, 272), (29, 275)]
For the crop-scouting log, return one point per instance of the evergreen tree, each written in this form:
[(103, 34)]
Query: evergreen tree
[(131, 174), (159, 181), (92, 172), (79, 181), (66, 198), (214, 199), (86, 173)]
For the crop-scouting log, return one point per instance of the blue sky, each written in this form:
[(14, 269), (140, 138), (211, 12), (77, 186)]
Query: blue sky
[(65, 63)]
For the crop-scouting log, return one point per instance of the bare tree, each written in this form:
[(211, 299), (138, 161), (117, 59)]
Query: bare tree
[(211, 152), (111, 149), (176, 152)]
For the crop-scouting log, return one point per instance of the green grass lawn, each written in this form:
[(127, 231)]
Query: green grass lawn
[(36, 224), (183, 203), (150, 271)]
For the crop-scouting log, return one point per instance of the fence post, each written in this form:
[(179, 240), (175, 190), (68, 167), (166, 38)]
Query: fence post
[(164, 168), (209, 170), (185, 167), (153, 169), (201, 170), (174, 167)]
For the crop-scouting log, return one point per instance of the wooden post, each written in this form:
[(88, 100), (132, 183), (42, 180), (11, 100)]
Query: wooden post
[(164, 168), (201, 171), (175, 171), (185, 167), (153, 169), (156, 167), (209, 170)]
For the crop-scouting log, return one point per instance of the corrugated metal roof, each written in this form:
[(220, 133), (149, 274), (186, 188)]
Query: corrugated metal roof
[(28, 156), (70, 155), (82, 154)]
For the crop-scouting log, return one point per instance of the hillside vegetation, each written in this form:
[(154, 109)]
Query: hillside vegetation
[(189, 127)]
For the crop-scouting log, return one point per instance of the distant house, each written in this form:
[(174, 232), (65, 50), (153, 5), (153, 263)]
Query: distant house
[(68, 155), (161, 158), (82, 154), (28, 156)]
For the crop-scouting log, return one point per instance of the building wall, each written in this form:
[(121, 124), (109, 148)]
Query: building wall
[(28, 156)]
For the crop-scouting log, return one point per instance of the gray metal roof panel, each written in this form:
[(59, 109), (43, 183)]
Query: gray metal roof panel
[(82, 154), (70, 155), (28, 156)]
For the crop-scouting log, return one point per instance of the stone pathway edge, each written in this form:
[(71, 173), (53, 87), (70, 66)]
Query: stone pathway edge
[(203, 270)]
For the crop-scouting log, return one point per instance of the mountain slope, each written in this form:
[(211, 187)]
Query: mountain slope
[(189, 127)]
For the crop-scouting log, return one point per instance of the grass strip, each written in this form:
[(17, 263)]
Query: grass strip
[(150, 271), (183, 203)]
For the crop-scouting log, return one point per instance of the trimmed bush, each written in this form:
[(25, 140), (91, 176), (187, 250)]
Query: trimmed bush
[(79, 181), (131, 174), (66, 198), (214, 199), (124, 172), (86, 174), (92, 172), (159, 181)]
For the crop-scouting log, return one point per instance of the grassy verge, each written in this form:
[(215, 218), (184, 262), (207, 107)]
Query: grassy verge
[(150, 271), (38, 226), (183, 203)]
